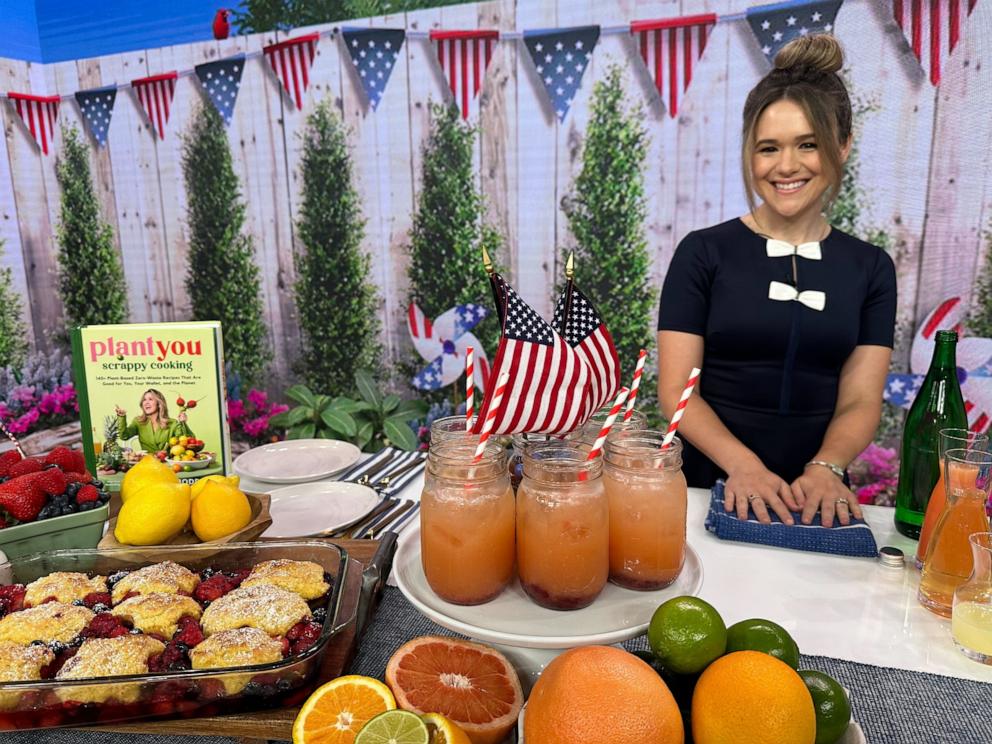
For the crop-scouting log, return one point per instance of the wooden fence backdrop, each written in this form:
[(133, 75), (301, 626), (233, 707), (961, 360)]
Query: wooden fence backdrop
[(924, 156)]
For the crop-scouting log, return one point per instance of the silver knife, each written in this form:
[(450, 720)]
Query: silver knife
[(384, 482)]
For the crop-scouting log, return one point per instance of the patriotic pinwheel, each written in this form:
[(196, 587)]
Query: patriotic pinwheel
[(443, 344)]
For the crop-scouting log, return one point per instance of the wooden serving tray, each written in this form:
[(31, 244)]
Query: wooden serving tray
[(276, 723)]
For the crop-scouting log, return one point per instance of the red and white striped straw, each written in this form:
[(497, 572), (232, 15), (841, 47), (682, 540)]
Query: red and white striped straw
[(635, 383), (608, 424), (494, 408), (680, 408), (469, 387)]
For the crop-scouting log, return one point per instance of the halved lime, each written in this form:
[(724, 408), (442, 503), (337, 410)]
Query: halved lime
[(394, 727), (762, 635)]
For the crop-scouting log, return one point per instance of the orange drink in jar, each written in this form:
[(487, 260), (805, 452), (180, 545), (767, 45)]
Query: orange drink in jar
[(562, 526), (647, 496), (467, 523)]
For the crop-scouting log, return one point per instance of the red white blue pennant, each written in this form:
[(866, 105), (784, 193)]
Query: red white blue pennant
[(155, 96), (291, 60), (39, 114), (97, 106), (933, 28), (464, 57), (220, 81), (669, 48), (374, 53)]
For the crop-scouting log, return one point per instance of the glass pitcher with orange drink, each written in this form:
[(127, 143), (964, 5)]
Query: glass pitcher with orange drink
[(647, 495), (563, 526), (466, 522), (948, 439), (971, 616), (949, 561)]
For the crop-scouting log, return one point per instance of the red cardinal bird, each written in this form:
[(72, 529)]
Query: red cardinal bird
[(222, 29)]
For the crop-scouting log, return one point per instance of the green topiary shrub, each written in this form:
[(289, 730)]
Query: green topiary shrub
[(91, 278), (337, 304), (13, 334), (606, 210), (222, 277), (449, 230)]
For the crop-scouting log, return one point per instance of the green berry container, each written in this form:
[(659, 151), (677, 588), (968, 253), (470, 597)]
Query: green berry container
[(79, 530)]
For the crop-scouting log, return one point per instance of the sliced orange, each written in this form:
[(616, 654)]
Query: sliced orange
[(470, 684), (444, 731), (336, 711)]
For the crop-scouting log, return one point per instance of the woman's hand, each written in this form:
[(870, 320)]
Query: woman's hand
[(756, 486), (120, 411), (819, 488), (181, 418)]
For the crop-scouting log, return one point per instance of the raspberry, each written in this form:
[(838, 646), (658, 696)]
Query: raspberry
[(285, 645), (70, 461), (214, 588), (306, 636), (105, 625), (52, 481), (7, 460), (71, 477), (189, 633), (11, 598), (25, 467), (94, 598), (240, 575), (173, 659), (86, 494), (62, 655)]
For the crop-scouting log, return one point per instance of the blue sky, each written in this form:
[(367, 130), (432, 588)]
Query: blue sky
[(59, 30)]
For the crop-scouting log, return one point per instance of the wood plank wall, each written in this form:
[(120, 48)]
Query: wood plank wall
[(925, 162)]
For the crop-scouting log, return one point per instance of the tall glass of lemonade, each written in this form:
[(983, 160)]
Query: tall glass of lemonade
[(563, 528), (467, 522)]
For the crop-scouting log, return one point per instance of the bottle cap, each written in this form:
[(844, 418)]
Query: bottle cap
[(891, 557)]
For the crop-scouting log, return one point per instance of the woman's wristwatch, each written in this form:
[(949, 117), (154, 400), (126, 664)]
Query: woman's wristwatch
[(835, 469)]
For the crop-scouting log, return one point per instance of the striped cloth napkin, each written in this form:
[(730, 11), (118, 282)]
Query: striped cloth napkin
[(855, 539), (400, 459)]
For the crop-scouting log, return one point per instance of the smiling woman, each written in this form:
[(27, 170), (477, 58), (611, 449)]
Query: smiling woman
[(791, 320)]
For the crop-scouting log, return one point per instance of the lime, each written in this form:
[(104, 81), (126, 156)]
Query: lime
[(394, 727), (686, 634), (765, 636), (833, 709)]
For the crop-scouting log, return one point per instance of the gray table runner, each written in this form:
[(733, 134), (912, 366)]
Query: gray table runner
[(892, 706)]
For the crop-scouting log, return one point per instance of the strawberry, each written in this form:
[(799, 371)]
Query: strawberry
[(22, 498), (51, 480), (7, 460), (71, 477), (70, 461), (24, 467), (87, 493)]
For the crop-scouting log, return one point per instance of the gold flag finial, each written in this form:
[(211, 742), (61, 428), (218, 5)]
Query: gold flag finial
[(487, 262), (570, 265)]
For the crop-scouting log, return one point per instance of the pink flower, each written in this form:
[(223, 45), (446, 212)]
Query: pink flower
[(235, 409), (258, 398), (256, 426), (278, 408)]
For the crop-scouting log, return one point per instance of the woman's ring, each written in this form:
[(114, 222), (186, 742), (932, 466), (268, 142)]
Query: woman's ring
[(839, 502), (753, 496)]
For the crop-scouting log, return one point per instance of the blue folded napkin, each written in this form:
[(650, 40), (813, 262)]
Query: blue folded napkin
[(855, 539)]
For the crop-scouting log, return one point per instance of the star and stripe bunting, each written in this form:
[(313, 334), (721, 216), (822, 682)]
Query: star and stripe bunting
[(464, 57), (291, 60), (561, 57), (776, 25), (221, 81), (374, 53), (97, 106), (933, 29), (548, 390), (669, 47), (39, 114), (155, 96)]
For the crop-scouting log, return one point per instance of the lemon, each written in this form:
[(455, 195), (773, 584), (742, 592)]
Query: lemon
[(232, 480), (153, 515), (147, 470), (173, 441), (219, 510)]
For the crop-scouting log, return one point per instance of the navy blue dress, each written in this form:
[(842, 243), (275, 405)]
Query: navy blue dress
[(771, 368)]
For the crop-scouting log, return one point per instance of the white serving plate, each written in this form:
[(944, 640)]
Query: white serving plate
[(297, 460), (307, 508), (513, 619)]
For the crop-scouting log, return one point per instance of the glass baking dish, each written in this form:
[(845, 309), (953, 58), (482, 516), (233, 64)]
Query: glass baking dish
[(180, 694)]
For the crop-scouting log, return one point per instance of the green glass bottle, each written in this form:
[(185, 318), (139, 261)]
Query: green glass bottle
[(938, 405)]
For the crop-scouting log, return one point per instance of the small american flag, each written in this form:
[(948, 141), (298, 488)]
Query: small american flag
[(464, 57), (549, 384), (221, 80), (39, 114), (669, 48), (561, 57), (374, 53), (584, 330), (776, 25), (291, 60), (97, 106), (933, 29), (155, 96)]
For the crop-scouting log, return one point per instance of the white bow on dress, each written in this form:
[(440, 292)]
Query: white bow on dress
[(779, 248), (811, 298)]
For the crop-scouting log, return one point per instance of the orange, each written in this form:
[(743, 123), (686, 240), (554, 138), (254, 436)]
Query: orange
[(750, 697), (601, 694), (468, 683), (336, 711), (444, 731)]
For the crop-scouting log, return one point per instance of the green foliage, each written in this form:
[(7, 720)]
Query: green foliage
[(371, 422), (337, 304), (253, 16), (13, 334), (980, 319), (606, 210), (91, 278), (222, 277), (449, 228)]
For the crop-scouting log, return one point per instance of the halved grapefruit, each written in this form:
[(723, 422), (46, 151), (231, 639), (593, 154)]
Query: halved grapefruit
[(471, 684)]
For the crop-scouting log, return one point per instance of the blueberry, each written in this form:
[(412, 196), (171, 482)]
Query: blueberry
[(115, 577), (100, 607), (104, 496), (284, 685), (79, 603), (58, 647), (320, 615), (86, 507), (252, 689), (76, 642), (135, 631), (37, 643), (207, 573), (48, 511), (67, 509), (72, 489), (96, 483), (182, 647)]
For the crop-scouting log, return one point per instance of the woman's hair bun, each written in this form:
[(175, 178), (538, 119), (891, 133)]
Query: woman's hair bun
[(816, 53)]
